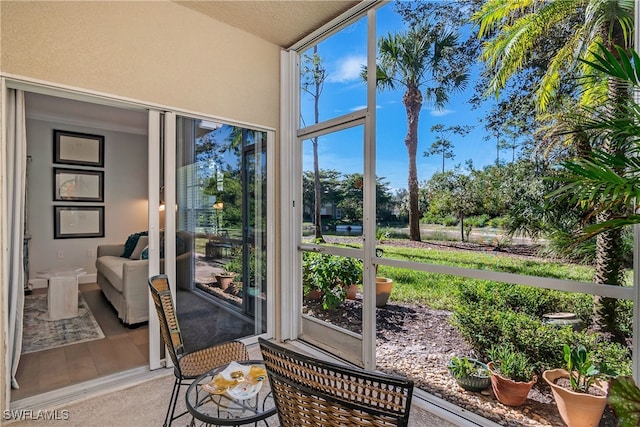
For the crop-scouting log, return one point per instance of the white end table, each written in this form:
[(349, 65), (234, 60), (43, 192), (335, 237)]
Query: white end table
[(62, 291)]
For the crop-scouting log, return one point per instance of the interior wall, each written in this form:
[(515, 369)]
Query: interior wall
[(152, 51), (125, 196)]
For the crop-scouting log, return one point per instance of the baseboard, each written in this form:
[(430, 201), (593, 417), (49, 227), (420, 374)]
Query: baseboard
[(88, 278), (42, 283), (38, 283)]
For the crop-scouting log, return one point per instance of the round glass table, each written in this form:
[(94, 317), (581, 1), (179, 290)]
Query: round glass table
[(224, 410)]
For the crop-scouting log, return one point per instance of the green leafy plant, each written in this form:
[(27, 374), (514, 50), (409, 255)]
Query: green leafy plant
[(583, 371), (330, 275), (460, 367), (510, 363), (624, 398)]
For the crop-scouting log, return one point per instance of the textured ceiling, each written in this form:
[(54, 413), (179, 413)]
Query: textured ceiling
[(282, 22)]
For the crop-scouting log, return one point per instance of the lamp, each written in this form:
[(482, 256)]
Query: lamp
[(161, 208)]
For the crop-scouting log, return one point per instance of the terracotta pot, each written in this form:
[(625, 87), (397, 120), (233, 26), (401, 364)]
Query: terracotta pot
[(383, 290), (509, 392), (576, 409), (224, 281), (314, 295), (352, 291)]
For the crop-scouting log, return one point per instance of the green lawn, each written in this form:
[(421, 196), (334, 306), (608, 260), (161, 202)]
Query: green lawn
[(437, 290)]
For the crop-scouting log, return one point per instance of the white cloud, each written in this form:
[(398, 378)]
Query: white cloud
[(440, 113), (362, 107), (347, 69)]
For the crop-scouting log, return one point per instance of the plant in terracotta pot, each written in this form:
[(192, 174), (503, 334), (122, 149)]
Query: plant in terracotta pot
[(470, 374), (348, 275), (224, 279), (512, 374), (579, 391), (320, 276)]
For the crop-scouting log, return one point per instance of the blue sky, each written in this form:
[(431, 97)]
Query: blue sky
[(343, 56)]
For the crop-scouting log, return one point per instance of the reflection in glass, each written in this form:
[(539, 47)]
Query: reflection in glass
[(221, 199)]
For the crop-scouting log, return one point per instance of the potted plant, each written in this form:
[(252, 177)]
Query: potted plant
[(470, 374), (512, 375), (384, 285), (320, 279), (224, 279), (579, 390), (349, 274)]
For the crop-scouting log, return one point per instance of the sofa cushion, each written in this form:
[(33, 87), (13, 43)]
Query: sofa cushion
[(131, 243), (143, 241), (181, 245), (111, 269)]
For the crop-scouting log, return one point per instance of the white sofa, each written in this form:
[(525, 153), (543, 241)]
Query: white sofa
[(124, 281)]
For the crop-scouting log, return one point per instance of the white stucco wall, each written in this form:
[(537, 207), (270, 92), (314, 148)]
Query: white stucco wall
[(153, 51)]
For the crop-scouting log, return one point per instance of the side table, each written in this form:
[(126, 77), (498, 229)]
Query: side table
[(222, 410), (62, 292)]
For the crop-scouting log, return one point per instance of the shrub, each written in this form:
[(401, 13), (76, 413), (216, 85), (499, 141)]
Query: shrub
[(498, 222), (450, 221), (431, 218), (478, 221), (487, 313)]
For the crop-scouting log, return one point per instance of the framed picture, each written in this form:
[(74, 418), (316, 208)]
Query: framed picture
[(74, 148), (78, 185), (74, 222)]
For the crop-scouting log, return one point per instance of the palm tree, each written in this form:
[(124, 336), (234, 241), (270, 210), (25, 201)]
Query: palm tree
[(514, 29), (418, 60)]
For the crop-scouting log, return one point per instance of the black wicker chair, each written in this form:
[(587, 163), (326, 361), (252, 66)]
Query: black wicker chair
[(187, 366), (310, 392)]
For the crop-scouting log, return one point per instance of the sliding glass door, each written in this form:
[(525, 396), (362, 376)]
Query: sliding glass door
[(217, 226)]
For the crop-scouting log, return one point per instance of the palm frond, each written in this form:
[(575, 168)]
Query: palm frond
[(494, 12), (623, 68), (600, 182), (507, 53)]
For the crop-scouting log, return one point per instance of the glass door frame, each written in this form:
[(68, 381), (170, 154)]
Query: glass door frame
[(169, 178), (291, 325)]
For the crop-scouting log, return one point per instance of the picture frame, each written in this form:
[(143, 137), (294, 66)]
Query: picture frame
[(75, 222), (78, 185), (74, 148)]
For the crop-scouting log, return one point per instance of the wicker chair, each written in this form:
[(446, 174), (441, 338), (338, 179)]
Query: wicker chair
[(310, 392), (187, 366)]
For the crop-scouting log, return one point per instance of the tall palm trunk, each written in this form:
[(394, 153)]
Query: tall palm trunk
[(412, 101), (609, 254)]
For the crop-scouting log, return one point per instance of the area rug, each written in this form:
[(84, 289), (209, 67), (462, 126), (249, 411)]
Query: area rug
[(42, 334)]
